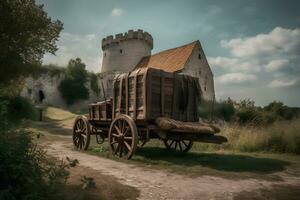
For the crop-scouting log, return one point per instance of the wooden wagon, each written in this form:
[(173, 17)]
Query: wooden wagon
[(146, 103)]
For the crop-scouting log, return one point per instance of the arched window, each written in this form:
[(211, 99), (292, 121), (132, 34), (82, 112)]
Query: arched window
[(41, 96)]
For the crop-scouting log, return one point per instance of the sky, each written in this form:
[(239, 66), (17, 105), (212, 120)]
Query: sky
[(252, 46)]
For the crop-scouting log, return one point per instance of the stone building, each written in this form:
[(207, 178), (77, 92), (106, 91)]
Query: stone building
[(132, 50)]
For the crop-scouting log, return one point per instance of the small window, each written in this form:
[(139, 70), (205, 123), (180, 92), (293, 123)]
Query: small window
[(205, 88), (199, 56), (104, 54), (121, 51)]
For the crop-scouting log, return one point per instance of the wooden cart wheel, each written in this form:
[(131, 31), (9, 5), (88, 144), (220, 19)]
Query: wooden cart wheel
[(179, 145), (123, 136), (81, 133)]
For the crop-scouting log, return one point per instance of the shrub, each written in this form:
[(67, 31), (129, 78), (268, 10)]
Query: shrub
[(94, 83), (224, 110), (73, 87), (25, 170), (13, 110)]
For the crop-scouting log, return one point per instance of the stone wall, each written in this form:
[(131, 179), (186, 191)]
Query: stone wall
[(198, 66), (44, 91), (124, 51)]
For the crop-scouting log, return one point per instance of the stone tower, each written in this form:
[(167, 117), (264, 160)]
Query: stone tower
[(123, 52)]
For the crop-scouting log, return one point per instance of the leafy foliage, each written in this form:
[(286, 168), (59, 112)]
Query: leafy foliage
[(94, 83), (73, 87), (27, 33), (245, 112), (13, 110), (222, 110), (26, 171)]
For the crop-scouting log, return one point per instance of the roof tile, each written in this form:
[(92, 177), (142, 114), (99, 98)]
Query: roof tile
[(170, 60)]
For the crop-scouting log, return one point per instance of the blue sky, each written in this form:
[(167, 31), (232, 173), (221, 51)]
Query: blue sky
[(252, 46)]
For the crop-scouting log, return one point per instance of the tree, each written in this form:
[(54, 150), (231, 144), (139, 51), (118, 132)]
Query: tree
[(73, 87), (26, 34)]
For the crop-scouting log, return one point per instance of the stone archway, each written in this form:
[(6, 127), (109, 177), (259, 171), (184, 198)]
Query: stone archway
[(41, 96)]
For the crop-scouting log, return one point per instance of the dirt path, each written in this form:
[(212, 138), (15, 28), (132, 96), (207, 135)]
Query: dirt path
[(158, 184)]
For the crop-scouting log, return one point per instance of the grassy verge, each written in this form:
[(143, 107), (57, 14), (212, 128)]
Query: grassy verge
[(281, 137), (249, 152), (228, 164)]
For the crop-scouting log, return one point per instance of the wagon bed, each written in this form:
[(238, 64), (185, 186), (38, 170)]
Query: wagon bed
[(147, 103)]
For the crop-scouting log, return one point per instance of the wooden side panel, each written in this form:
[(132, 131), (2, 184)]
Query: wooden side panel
[(167, 93), (150, 93), (154, 91), (139, 97)]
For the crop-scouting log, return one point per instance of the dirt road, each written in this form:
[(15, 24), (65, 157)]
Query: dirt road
[(159, 184)]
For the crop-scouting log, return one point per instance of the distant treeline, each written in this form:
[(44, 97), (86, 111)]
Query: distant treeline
[(246, 112)]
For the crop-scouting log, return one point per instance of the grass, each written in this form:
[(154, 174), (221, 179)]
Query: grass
[(227, 164), (249, 152), (281, 137)]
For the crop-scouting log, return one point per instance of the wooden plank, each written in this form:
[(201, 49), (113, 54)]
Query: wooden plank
[(162, 93), (134, 94), (114, 99), (145, 94), (127, 96), (188, 98), (120, 94)]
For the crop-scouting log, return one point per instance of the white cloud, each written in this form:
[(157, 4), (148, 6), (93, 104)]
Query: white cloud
[(86, 47), (282, 83), (276, 52), (278, 40), (236, 78), (117, 12), (276, 65), (234, 64)]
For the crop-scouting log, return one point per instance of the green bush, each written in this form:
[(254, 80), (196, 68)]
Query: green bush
[(94, 83), (13, 110), (281, 110), (25, 170), (73, 87), (224, 110)]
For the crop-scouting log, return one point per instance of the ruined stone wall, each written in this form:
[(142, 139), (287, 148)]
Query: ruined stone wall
[(46, 86), (124, 51), (198, 66)]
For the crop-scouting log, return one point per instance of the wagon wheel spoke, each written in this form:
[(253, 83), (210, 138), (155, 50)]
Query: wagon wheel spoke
[(114, 142), (117, 149), (127, 138), (118, 130), (126, 131), (115, 135), (127, 145), (171, 143), (176, 145), (180, 147), (184, 143)]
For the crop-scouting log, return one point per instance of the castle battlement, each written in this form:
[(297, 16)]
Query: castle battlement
[(130, 35)]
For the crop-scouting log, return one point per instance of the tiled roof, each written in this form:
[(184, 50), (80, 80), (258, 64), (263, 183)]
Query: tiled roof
[(170, 60)]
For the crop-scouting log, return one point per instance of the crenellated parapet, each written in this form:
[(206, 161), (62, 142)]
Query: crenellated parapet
[(130, 35)]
